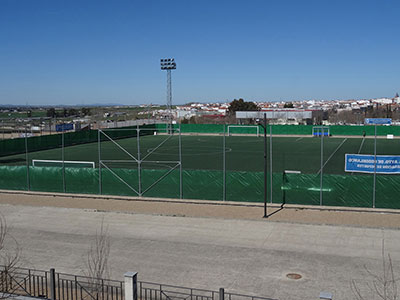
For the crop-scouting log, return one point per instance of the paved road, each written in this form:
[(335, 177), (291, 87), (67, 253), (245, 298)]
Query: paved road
[(244, 256)]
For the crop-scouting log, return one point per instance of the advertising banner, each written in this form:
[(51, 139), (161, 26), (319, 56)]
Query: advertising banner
[(378, 121), (385, 164), (64, 127)]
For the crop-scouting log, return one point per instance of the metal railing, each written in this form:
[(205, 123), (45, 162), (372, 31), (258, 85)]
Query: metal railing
[(62, 286), (232, 296), (74, 287), (156, 291), (24, 282), (37, 283)]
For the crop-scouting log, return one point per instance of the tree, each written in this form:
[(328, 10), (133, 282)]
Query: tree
[(51, 112), (97, 264), (72, 112), (382, 286), (288, 105), (9, 258), (241, 105), (85, 111)]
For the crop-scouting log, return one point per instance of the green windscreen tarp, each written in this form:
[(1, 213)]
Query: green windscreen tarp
[(353, 130), (44, 142), (338, 190)]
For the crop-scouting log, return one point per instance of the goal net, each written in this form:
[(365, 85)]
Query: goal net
[(59, 163), (318, 130), (241, 129)]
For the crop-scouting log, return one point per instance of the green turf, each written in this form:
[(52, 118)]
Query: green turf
[(206, 153)]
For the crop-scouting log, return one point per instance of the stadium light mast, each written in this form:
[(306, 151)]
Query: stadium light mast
[(168, 64)]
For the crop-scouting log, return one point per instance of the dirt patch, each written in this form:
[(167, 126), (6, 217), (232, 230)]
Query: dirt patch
[(212, 209)]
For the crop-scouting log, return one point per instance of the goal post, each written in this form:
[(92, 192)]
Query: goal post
[(243, 129), (317, 131), (59, 163)]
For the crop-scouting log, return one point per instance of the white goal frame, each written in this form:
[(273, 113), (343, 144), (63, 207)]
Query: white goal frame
[(318, 129), (244, 126), (61, 162)]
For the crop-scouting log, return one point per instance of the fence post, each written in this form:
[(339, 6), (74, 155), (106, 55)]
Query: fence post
[(322, 166), (99, 152), (374, 186), (180, 164), (224, 165), (28, 182), (52, 284), (270, 161), (139, 162), (130, 285), (63, 157), (221, 294)]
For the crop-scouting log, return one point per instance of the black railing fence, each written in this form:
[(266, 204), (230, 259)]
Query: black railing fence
[(60, 286), (25, 282), (74, 287), (155, 291)]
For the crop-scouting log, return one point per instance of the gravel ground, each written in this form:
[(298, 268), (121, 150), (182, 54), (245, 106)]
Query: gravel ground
[(380, 218)]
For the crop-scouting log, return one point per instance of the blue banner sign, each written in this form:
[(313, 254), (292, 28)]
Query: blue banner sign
[(319, 133), (378, 121), (64, 127), (385, 164)]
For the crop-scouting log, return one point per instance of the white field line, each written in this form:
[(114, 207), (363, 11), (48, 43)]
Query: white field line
[(362, 143), (359, 150), (338, 147), (298, 139)]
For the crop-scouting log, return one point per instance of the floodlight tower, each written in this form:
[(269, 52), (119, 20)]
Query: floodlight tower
[(169, 64)]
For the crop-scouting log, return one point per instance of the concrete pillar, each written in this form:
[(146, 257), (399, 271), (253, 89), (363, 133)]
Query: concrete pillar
[(130, 285)]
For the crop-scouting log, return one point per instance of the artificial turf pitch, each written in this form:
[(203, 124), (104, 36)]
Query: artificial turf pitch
[(243, 153)]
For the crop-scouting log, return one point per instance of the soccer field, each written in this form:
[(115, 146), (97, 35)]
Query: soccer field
[(242, 153)]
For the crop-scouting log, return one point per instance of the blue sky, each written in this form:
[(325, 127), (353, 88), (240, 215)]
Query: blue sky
[(83, 52)]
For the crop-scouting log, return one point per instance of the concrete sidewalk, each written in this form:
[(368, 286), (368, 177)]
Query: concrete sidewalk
[(242, 255)]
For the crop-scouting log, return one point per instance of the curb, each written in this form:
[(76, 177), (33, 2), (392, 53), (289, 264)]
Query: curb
[(206, 202)]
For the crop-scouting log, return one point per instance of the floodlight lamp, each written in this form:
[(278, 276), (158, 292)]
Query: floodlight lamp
[(168, 64)]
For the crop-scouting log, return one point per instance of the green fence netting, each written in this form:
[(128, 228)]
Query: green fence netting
[(342, 190), (356, 130), (44, 142), (37, 143), (338, 190)]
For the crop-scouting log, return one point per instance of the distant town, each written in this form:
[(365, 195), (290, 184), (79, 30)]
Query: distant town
[(323, 112)]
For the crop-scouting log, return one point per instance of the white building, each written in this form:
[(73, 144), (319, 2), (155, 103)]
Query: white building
[(382, 101)]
